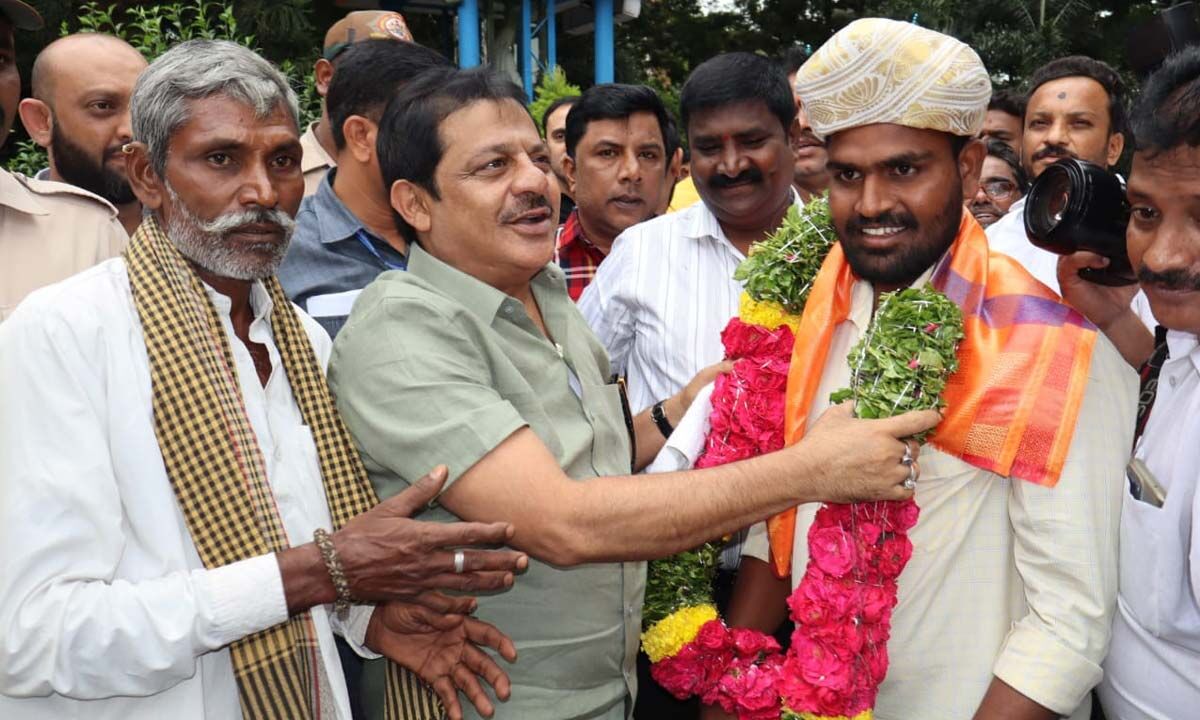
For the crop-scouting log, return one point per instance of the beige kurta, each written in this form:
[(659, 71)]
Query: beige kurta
[(315, 161), (48, 232), (1007, 578)]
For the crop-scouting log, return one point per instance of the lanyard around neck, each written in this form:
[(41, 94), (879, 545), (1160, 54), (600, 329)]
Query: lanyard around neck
[(369, 244)]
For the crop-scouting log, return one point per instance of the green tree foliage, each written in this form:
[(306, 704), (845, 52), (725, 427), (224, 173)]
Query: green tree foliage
[(154, 28), (552, 86), (1013, 37)]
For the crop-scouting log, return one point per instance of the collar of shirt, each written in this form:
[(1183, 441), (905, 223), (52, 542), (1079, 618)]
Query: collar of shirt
[(260, 301), (699, 222), (15, 195), (314, 153), (480, 298), (1182, 344), (335, 220), (571, 234)]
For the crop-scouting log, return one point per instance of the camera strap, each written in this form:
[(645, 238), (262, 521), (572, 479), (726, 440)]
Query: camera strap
[(1149, 376)]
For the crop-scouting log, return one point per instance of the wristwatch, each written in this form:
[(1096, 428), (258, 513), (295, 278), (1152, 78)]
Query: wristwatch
[(659, 416)]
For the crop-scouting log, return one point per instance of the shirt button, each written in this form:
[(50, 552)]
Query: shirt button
[(1173, 380)]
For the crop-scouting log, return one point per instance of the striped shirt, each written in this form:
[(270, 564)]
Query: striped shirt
[(661, 299)]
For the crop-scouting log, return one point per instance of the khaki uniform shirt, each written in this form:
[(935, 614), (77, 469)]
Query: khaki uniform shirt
[(50, 231), (1007, 578), (315, 162), (436, 367)]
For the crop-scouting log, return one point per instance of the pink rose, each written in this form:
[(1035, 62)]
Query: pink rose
[(752, 643), (877, 663), (713, 637), (868, 532), (876, 602), (902, 516), (832, 549), (798, 694), (819, 666), (678, 675), (842, 638), (894, 555), (755, 694)]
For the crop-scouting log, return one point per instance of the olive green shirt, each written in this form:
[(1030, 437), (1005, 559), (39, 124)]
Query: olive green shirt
[(436, 367)]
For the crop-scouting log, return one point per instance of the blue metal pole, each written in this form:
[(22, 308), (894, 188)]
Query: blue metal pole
[(551, 35), (604, 41), (525, 46), (468, 33)]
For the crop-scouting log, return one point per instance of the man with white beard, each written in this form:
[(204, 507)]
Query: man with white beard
[(168, 448)]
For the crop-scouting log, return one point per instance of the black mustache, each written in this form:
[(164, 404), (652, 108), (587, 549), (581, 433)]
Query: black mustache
[(1177, 279), (891, 219), (753, 175), (1056, 151), (527, 202)]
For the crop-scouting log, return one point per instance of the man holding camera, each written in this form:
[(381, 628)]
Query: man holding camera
[(1153, 666), (1075, 110)]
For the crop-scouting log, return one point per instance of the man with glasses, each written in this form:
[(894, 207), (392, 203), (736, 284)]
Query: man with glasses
[(1001, 183)]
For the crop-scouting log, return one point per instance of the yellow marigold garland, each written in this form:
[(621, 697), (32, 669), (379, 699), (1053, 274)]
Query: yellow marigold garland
[(665, 637)]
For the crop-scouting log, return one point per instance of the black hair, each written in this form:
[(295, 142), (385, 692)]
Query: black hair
[(368, 74), (1083, 66), (409, 145), (565, 100), (1002, 151), (1167, 114), (614, 101), (1008, 101), (734, 78), (792, 58)]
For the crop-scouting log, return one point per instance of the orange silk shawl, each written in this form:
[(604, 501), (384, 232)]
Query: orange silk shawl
[(1023, 366)]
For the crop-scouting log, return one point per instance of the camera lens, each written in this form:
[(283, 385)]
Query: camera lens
[(1076, 205), (1049, 208)]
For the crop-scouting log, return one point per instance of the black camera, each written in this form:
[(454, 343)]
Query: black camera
[(1077, 205)]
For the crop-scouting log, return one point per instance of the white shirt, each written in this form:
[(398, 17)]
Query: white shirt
[(1153, 670), (1007, 235), (107, 611), (1007, 578), (661, 298)]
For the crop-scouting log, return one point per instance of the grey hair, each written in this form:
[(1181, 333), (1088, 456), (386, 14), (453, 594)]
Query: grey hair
[(198, 69)]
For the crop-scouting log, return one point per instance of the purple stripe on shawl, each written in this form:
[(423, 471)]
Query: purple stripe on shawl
[(1004, 310)]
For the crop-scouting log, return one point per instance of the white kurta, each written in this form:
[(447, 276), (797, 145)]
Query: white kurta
[(107, 611), (1007, 578), (1153, 670)]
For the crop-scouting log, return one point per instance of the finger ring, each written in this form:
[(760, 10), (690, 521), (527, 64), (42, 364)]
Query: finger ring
[(459, 558), (910, 483), (908, 456)]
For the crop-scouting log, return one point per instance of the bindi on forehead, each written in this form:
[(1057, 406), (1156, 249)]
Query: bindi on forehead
[(1062, 96)]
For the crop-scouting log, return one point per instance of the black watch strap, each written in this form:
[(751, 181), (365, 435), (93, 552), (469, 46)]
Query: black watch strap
[(659, 416)]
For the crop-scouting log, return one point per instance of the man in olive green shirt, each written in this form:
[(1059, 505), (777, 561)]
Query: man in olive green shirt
[(477, 357)]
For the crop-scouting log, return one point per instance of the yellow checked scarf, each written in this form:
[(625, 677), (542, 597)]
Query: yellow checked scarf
[(218, 473)]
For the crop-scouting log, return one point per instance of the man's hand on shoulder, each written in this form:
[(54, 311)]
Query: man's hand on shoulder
[(438, 641)]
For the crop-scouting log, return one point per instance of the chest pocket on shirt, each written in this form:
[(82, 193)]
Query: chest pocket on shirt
[(610, 439), (1154, 568)]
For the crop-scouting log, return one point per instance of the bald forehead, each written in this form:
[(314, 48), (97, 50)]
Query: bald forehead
[(85, 58)]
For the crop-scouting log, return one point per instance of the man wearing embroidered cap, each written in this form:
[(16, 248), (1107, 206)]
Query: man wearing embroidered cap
[(318, 141), (1005, 607)]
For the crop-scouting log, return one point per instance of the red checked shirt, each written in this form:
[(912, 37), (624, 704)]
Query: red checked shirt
[(576, 255)]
